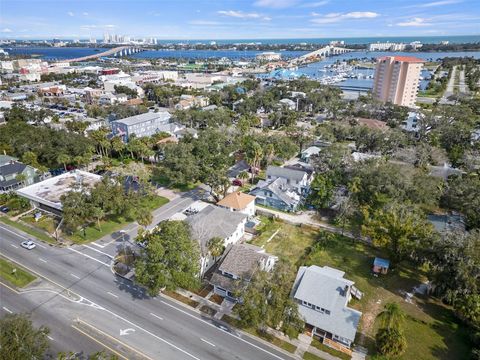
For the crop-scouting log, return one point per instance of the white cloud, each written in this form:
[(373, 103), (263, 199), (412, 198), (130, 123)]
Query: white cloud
[(85, 13), (239, 14), (267, 18), (336, 17), (276, 4), (437, 3), (70, 13), (100, 27), (415, 22), (6, 30), (315, 4), (204, 22)]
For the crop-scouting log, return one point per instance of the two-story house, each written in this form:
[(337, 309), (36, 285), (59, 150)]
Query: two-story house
[(213, 221), (283, 189), (237, 268), (14, 174), (323, 294), (238, 201)]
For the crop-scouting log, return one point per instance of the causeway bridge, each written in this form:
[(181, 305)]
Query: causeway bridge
[(317, 55), (116, 52)]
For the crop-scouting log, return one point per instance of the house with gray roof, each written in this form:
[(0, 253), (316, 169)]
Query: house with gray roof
[(237, 268), (14, 174), (146, 124), (213, 221), (322, 295), (284, 188)]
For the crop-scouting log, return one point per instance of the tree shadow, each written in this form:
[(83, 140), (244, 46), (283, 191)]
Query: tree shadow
[(136, 292)]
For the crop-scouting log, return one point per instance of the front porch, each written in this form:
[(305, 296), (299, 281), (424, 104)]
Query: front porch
[(329, 339)]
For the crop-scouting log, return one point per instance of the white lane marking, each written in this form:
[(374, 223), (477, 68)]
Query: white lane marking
[(116, 315), (226, 332), (158, 317), (12, 232), (88, 256), (208, 342), (40, 245), (15, 246), (9, 311), (75, 276), (42, 260), (101, 252), (50, 337), (109, 293)]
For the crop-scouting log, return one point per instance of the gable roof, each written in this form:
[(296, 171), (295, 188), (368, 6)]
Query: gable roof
[(286, 173), (281, 189), (324, 287), (213, 221), (141, 118), (236, 200)]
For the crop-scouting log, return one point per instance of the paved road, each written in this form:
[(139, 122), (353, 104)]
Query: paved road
[(111, 242), (450, 88), (42, 304), (160, 328)]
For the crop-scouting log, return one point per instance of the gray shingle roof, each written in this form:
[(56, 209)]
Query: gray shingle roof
[(286, 173), (281, 189), (214, 221)]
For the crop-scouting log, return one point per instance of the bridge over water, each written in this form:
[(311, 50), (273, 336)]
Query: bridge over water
[(117, 51), (317, 55)]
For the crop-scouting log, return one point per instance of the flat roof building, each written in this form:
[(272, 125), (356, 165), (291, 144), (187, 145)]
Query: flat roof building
[(397, 79), (146, 124), (47, 194)]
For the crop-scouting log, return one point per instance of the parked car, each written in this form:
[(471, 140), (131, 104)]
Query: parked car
[(4, 209), (237, 182), (29, 245)]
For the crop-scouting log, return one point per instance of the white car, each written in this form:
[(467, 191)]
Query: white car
[(28, 245)]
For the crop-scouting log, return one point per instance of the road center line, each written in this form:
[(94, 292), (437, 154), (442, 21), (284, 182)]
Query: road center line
[(42, 260), (208, 342), (226, 332), (109, 293), (50, 337), (75, 276), (15, 246), (158, 317), (9, 311)]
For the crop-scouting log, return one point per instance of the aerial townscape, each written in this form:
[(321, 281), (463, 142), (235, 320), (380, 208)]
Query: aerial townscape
[(239, 180)]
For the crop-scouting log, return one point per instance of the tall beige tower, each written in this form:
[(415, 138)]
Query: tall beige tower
[(396, 79)]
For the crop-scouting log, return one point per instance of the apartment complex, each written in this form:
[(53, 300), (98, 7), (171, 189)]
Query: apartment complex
[(145, 124), (397, 79)]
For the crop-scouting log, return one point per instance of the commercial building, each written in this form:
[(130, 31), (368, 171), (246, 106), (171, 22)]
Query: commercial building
[(268, 56), (386, 46), (396, 79), (47, 194), (146, 124)]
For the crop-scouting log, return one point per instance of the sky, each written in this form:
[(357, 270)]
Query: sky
[(237, 19)]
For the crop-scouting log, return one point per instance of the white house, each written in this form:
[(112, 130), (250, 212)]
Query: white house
[(213, 221), (238, 201), (322, 295)]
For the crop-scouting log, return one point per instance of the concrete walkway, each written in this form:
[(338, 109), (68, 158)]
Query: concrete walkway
[(308, 218)]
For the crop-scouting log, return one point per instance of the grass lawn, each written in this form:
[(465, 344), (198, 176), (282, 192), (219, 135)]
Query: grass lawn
[(310, 356), (163, 181), (46, 223), (285, 345), (26, 229), (431, 330), (20, 278), (112, 224)]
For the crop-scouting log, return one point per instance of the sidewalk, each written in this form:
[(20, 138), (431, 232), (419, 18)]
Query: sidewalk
[(308, 218)]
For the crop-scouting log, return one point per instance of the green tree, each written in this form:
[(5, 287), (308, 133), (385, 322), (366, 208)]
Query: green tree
[(321, 191), (390, 342), (216, 246), (170, 259), (20, 340), (144, 217), (63, 159), (391, 317)]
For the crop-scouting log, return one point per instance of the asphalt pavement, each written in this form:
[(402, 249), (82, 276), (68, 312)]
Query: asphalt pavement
[(155, 328)]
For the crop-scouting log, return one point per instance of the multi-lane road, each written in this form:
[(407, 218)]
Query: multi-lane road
[(78, 291)]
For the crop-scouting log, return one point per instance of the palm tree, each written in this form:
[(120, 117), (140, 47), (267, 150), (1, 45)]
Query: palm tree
[(63, 159), (391, 317), (215, 247), (243, 176), (254, 156)]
